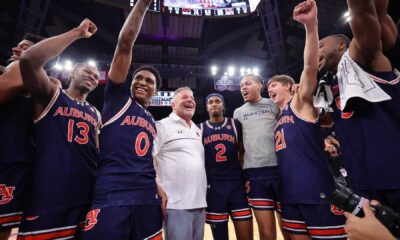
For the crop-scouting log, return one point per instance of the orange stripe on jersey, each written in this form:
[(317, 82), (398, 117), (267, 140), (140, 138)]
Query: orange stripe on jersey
[(10, 219), (157, 237), (294, 225), (51, 235), (216, 217), (241, 213), (327, 232)]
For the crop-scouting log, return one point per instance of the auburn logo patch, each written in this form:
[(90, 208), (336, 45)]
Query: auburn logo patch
[(345, 115), (6, 194), (335, 210), (91, 219)]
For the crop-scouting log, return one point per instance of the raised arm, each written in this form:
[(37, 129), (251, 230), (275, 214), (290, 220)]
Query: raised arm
[(306, 13), (388, 27), (126, 39), (33, 60), (366, 45)]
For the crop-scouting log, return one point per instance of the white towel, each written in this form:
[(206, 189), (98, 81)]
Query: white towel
[(323, 98), (355, 82)]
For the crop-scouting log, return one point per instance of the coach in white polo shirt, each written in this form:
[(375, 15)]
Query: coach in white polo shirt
[(179, 155)]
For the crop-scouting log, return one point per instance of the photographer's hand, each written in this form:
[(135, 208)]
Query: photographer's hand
[(367, 227)]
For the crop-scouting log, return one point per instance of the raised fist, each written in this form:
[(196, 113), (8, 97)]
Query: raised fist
[(87, 28), (306, 12)]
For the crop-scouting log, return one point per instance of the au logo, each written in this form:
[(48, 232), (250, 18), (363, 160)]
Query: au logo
[(335, 210), (180, 131), (6, 194), (91, 219)]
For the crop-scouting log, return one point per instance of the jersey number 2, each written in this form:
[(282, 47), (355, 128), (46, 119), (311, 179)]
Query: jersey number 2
[(220, 154)]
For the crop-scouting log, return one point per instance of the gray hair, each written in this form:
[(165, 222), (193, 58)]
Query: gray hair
[(179, 90)]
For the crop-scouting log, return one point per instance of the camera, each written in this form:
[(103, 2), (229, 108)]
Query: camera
[(345, 199)]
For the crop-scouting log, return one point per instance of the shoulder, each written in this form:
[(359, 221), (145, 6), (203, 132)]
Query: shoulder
[(161, 124), (238, 111)]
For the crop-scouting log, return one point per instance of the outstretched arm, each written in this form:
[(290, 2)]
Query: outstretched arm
[(306, 13), (366, 46), (33, 60), (126, 39)]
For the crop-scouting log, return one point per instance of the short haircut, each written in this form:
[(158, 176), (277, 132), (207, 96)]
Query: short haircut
[(342, 38), (151, 69), (256, 77), (179, 90), (33, 37), (79, 65), (284, 79)]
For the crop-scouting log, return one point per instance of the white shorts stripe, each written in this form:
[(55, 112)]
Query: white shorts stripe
[(47, 230), (10, 214)]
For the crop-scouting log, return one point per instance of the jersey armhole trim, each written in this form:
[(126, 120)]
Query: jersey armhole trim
[(119, 114), (48, 107), (300, 117)]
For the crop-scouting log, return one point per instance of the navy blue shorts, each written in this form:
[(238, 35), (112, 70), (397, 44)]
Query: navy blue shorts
[(224, 198), (264, 184), (14, 179), (61, 225), (124, 222), (320, 221)]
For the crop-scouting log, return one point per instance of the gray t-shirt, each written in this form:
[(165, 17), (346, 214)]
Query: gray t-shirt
[(258, 124)]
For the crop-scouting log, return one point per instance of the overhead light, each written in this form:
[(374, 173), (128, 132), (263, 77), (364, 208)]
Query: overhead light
[(231, 71), (58, 66), (68, 65), (92, 63), (256, 71), (347, 16)]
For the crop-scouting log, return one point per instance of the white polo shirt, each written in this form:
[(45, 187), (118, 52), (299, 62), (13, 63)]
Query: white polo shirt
[(179, 162)]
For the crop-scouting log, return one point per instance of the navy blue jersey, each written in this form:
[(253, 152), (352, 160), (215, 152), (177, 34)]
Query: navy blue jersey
[(303, 166), (221, 149), (66, 156), (126, 172), (369, 136), (16, 129)]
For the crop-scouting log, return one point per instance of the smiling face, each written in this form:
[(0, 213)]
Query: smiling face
[(143, 87), (183, 104), (330, 51), (19, 49), (84, 77), (278, 92), (250, 89), (215, 106)]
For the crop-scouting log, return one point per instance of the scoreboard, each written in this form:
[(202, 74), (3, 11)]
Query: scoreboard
[(206, 8)]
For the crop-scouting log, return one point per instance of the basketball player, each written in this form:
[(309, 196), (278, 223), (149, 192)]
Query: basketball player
[(16, 148), (259, 159), (65, 133), (125, 203), (368, 130), (226, 191), (303, 166)]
